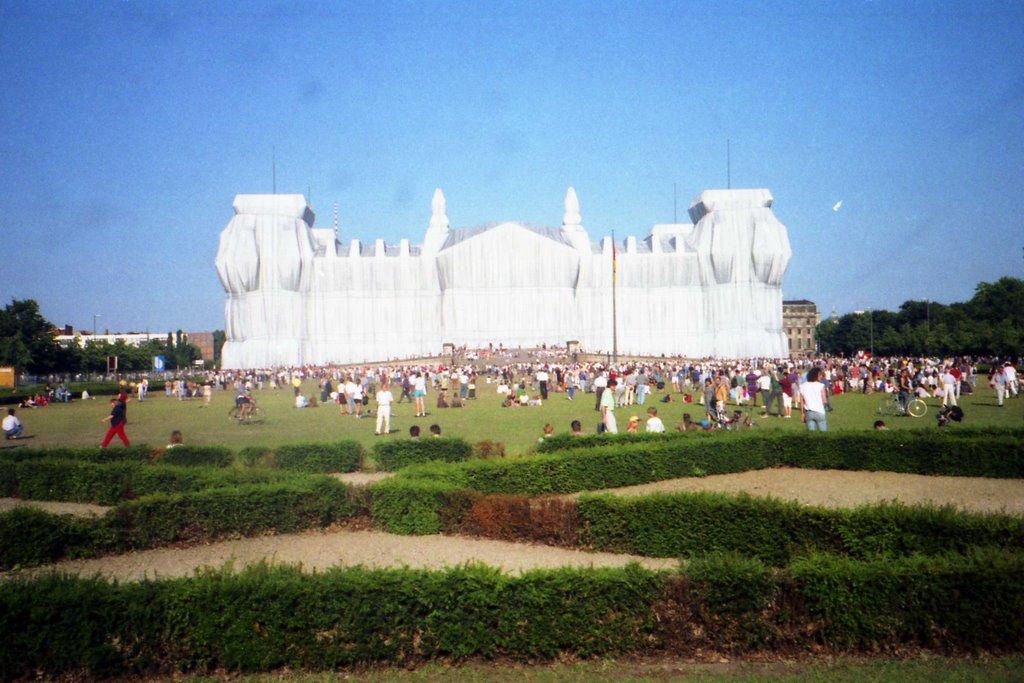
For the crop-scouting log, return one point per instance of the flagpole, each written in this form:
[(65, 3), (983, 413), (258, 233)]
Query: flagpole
[(615, 321)]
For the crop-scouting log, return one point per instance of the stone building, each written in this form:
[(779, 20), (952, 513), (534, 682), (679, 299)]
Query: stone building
[(800, 319)]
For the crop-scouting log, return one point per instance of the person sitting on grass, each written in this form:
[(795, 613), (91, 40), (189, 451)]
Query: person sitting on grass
[(654, 423), (435, 431), (575, 428), (442, 398), (548, 432), (176, 440), (879, 426), (12, 426), (687, 425), (414, 432)]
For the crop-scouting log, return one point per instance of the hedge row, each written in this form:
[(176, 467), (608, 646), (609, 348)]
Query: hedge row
[(109, 484), (29, 537), (262, 619), (624, 462), (688, 525), (394, 455), (339, 456), (775, 531)]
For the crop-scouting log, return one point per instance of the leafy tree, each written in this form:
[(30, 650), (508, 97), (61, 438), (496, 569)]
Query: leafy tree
[(26, 338)]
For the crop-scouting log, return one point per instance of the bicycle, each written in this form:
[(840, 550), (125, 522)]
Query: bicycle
[(892, 407), (253, 416)]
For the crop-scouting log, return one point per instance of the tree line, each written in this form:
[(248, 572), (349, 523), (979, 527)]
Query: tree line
[(27, 342), (990, 324)]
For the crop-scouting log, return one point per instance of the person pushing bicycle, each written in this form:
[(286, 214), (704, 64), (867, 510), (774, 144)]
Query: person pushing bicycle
[(243, 401)]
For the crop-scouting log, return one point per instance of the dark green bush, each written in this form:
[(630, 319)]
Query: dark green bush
[(246, 510), (136, 453), (255, 456), (971, 601), (774, 531), (110, 483), (415, 506), (341, 456), (192, 456), (29, 536), (267, 618), (394, 455)]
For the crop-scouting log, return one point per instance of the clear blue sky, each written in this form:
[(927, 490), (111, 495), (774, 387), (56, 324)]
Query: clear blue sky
[(128, 127)]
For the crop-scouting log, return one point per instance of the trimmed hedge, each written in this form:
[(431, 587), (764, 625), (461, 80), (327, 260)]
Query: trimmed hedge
[(775, 532), (639, 459), (340, 456), (263, 619), (136, 453), (29, 537), (110, 483), (394, 455), (197, 456)]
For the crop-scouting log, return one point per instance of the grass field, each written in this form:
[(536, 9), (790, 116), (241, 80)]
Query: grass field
[(151, 421)]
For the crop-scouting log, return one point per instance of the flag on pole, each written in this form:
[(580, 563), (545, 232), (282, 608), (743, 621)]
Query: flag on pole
[(614, 260)]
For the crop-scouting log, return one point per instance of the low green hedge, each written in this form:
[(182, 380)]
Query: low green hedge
[(110, 483), (136, 453), (775, 531), (622, 461), (394, 455), (263, 619), (29, 537), (340, 456), (197, 456)]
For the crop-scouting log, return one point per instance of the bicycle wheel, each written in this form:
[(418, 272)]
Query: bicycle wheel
[(256, 416), (886, 408), (233, 413), (917, 408)]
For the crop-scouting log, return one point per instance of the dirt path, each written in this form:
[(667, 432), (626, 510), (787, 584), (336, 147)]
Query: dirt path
[(55, 506), (838, 489), (318, 550)]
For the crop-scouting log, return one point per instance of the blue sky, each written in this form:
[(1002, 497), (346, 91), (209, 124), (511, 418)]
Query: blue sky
[(128, 127)]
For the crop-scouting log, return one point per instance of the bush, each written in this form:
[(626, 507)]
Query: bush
[(32, 536), (29, 536), (265, 618), (136, 453), (971, 601), (775, 532), (414, 506), (394, 455), (341, 456), (191, 456), (256, 456), (268, 618)]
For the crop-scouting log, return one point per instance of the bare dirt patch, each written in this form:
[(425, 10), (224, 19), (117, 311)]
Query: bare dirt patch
[(56, 507), (319, 550)]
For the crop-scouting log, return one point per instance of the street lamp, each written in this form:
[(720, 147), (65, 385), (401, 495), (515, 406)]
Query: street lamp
[(871, 328)]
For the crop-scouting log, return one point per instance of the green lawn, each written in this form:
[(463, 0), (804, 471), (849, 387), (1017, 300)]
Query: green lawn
[(152, 421)]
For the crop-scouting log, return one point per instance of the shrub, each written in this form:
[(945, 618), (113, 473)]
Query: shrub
[(733, 592), (255, 456), (341, 456), (394, 455), (486, 450), (412, 506), (136, 453), (191, 456), (29, 536), (971, 601), (774, 531)]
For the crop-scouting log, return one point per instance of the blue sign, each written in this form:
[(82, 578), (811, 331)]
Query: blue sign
[(158, 363)]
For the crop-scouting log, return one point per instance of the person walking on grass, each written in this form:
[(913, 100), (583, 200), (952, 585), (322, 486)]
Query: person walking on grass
[(384, 399), (812, 401), (117, 420)]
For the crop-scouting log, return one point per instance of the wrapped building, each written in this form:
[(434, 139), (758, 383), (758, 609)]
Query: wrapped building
[(297, 295)]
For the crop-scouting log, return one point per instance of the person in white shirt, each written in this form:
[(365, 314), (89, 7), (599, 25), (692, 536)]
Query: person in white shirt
[(12, 425), (301, 401), (948, 388), (812, 402), (654, 423), (384, 399), (1011, 378)]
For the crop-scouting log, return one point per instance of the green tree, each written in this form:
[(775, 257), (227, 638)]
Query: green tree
[(26, 338)]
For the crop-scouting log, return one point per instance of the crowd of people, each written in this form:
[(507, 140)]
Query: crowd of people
[(729, 393)]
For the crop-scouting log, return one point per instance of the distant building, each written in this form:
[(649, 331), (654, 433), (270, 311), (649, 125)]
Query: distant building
[(83, 337), (202, 341), (800, 320)]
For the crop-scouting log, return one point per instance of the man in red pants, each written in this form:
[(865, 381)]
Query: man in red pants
[(118, 420)]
